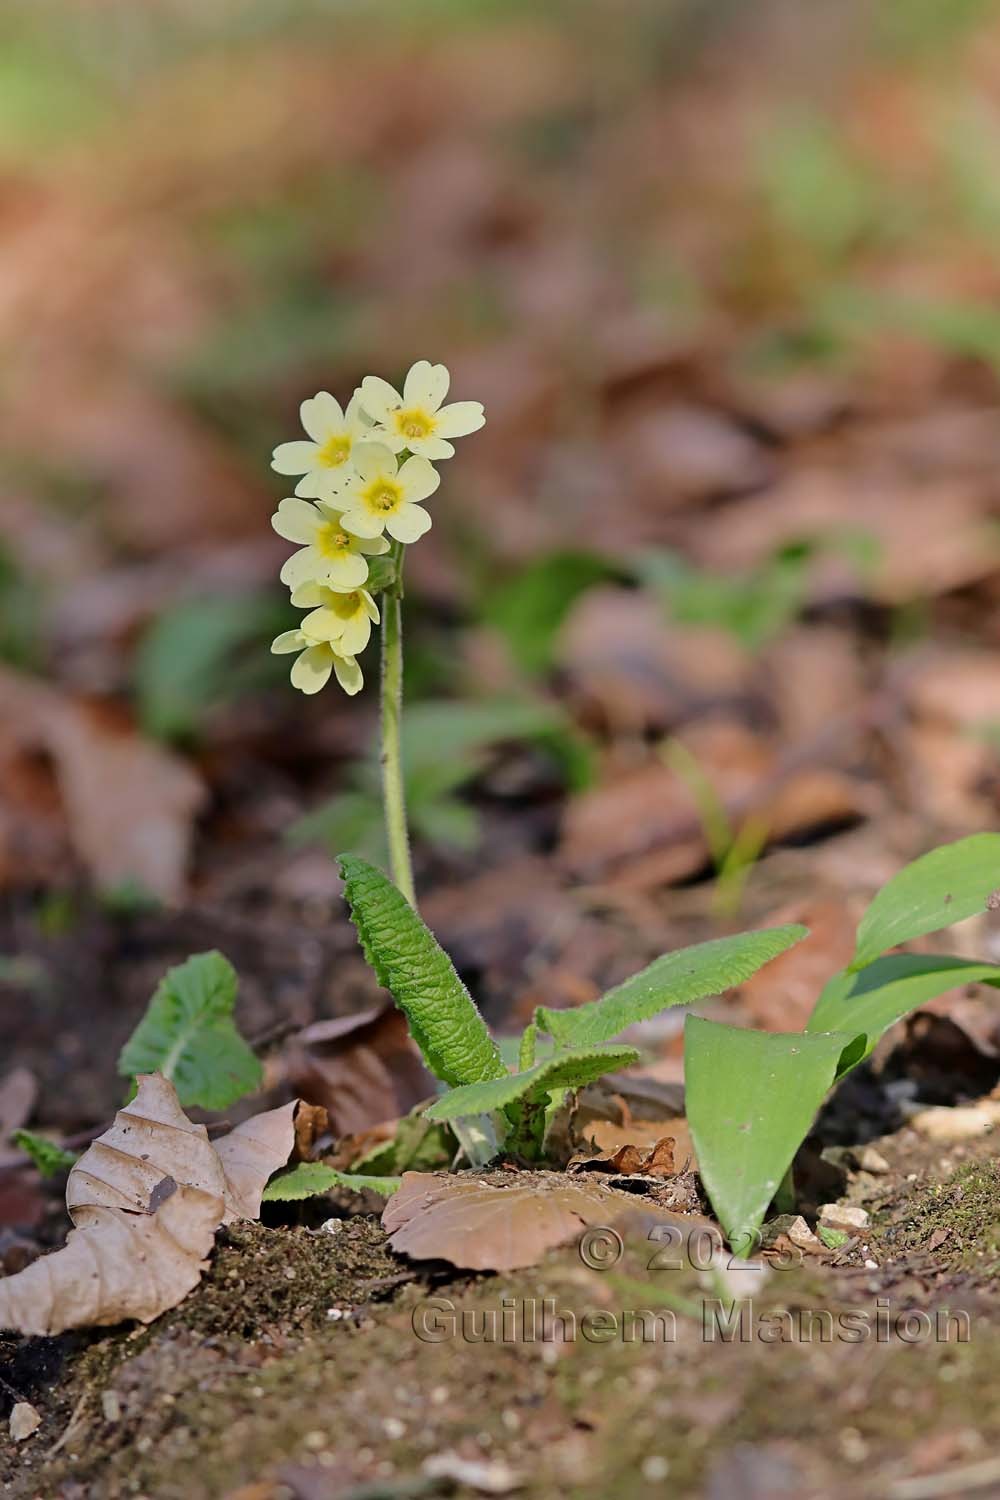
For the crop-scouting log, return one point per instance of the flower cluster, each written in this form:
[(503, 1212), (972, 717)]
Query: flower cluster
[(364, 473)]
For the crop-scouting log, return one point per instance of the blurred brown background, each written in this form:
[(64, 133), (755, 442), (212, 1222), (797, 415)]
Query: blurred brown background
[(710, 608)]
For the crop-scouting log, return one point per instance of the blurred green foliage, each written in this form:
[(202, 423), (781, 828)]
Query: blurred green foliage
[(204, 653), (529, 606), (445, 746)]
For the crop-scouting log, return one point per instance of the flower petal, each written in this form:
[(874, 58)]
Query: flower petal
[(308, 595), (409, 523), (418, 479), (371, 608), (289, 640), (323, 624), (294, 458), (372, 459), (349, 674), (306, 566), (361, 523), (346, 572), (426, 385), (373, 546), (297, 521), (355, 636), (312, 669), (321, 416), (431, 447), (459, 419), (378, 397)]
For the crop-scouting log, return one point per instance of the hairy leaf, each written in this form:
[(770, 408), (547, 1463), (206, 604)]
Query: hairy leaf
[(310, 1179), (564, 1070), (678, 978), (421, 978), (941, 888), (887, 989), (188, 1034), (751, 1098)]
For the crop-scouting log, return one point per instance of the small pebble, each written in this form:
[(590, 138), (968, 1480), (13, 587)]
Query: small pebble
[(870, 1160), (111, 1406), (843, 1216), (655, 1468), (24, 1420), (961, 1123), (394, 1428)]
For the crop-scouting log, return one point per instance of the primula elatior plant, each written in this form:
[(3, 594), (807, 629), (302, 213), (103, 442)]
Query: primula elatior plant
[(752, 1096)]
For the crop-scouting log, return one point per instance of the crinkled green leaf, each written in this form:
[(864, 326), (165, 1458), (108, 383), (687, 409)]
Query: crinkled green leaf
[(941, 888), (751, 1098), (188, 1034), (310, 1179), (421, 978), (49, 1158), (678, 978), (888, 989), (564, 1070)]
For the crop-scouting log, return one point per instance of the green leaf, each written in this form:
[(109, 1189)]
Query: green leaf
[(529, 608), (202, 653), (888, 989), (49, 1158), (188, 1034), (941, 888), (564, 1070), (678, 978), (414, 968), (751, 1098), (311, 1178), (418, 1145)]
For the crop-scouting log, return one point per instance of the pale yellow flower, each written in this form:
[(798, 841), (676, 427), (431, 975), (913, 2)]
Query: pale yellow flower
[(329, 553), (324, 462), (343, 619), (416, 419), (381, 496), (317, 659)]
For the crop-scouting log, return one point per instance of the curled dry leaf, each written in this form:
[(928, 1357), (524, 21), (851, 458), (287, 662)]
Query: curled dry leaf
[(146, 1199), (631, 1160), (495, 1223)]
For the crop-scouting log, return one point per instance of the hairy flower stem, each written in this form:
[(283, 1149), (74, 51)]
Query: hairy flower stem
[(393, 794)]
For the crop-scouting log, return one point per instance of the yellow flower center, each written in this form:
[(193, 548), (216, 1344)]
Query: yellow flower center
[(331, 541), (414, 423), (335, 451), (344, 606), (383, 496)]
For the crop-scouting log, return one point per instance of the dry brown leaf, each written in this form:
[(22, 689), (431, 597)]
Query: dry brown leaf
[(631, 1159), (495, 1223), (250, 1154), (130, 805), (149, 1141), (115, 1265), (18, 1092), (146, 1199), (362, 1069), (782, 998)]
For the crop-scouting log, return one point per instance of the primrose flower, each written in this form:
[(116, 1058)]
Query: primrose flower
[(343, 619), (329, 552), (416, 419), (316, 660), (324, 463), (381, 496)]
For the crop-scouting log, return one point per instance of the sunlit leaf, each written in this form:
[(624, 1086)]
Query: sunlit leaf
[(943, 887)]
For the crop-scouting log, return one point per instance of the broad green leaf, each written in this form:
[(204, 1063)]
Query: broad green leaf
[(529, 607), (941, 888), (888, 989), (418, 1145), (188, 1034), (751, 1098), (678, 978), (202, 653), (311, 1178), (411, 964), (49, 1158), (564, 1070)]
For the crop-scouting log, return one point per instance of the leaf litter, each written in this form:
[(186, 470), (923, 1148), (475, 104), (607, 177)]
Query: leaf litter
[(146, 1200)]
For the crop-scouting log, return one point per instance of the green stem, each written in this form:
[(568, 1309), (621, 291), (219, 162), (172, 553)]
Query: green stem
[(393, 795)]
